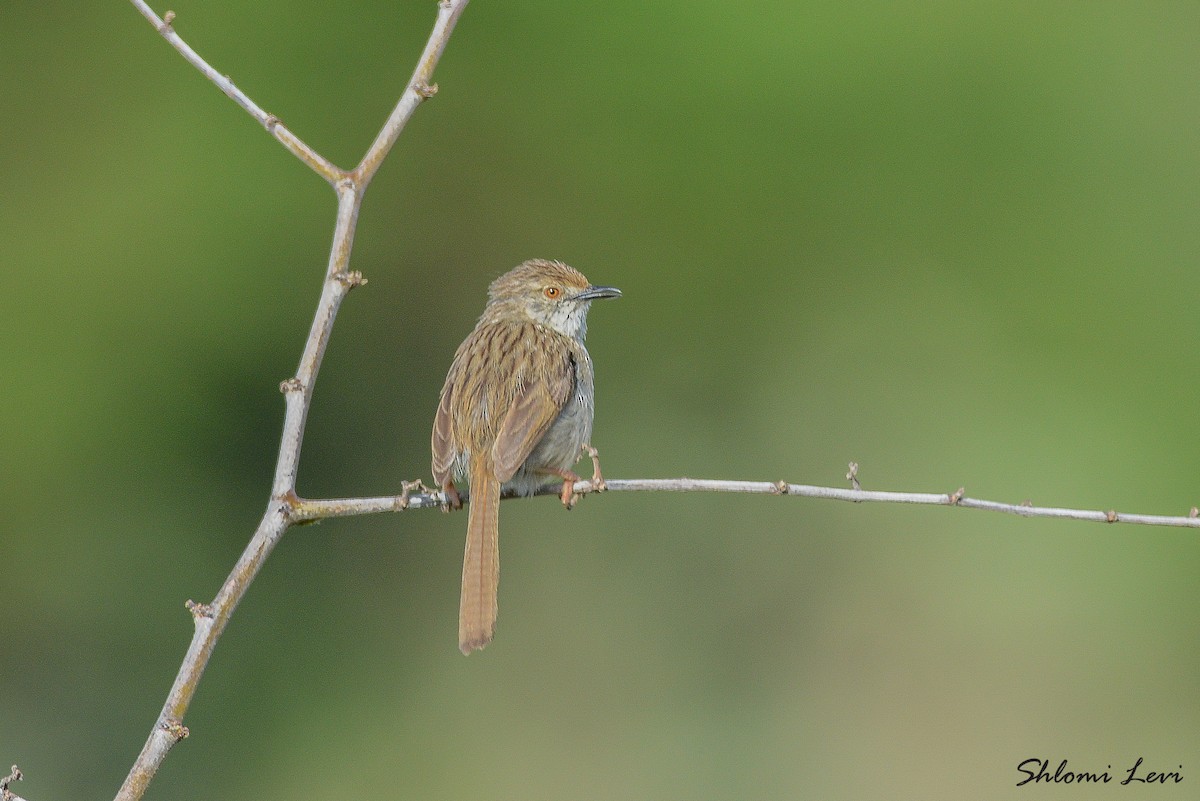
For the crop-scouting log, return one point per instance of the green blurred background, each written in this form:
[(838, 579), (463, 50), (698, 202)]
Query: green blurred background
[(956, 242)]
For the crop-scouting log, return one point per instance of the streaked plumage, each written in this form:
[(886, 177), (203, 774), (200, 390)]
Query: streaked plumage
[(515, 410)]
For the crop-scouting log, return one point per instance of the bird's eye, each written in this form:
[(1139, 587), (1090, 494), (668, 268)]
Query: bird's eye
[(552, 292)]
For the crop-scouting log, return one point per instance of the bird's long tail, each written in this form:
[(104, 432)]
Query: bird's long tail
[(481, 563)]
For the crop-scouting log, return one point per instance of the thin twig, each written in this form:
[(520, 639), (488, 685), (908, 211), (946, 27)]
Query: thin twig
[(307, 509), (7, 794), (210, 619), (319, 164), (420, 88)]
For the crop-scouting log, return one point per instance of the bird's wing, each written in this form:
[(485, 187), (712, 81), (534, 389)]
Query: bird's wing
[(443, 438), (542, 396)]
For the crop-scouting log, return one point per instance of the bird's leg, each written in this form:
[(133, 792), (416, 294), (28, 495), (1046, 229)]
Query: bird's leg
[(598, 484), (452, 499), (568, 495)]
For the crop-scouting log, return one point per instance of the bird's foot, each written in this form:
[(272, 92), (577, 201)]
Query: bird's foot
[(568, 495), (598, 484), (453, 501)]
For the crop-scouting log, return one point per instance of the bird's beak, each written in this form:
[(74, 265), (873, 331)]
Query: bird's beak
[(596, 292)]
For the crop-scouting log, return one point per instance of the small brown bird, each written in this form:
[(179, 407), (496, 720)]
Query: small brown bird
[(516, 410)]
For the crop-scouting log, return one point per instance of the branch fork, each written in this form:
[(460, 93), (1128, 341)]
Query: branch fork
[(285, 508)]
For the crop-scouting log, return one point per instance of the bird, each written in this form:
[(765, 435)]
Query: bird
[(515, 412)]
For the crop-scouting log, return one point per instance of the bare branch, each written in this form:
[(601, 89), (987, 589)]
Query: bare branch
[(306, 509), (7, 794), (210, 619), (419, 89), (13, 776), (322, 166)]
